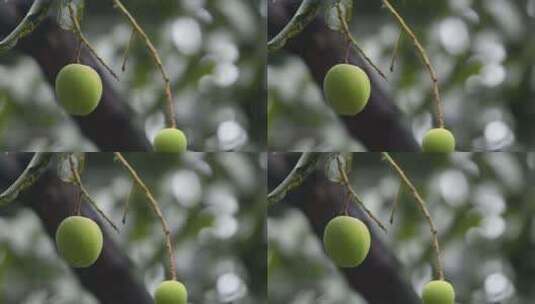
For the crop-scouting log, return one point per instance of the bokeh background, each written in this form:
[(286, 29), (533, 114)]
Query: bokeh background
[(482, 51), (482, 205), (214, 52), (214, 204)]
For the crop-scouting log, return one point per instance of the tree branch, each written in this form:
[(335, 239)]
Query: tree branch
[(437, 265), (156, 208)]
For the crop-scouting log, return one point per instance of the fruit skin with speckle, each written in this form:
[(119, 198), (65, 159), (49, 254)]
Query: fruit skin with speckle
[(347, 88), (438, 292), (79, 89), (347, 241), (79, 241), (438, 140), (171, 292), (170, 140)]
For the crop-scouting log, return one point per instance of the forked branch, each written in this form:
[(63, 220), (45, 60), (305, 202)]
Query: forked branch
[(349, 37), (425, 59), (85, 194), (355, 197), (84, 41), (156, 208), (437, 265), (170, 108)]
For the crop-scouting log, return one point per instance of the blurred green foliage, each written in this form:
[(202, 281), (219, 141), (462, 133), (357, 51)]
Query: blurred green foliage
[(214, 204), (481, 203), (214, 52), (482, 51)]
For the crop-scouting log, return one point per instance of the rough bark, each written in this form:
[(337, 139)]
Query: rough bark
[(379, 126), (380, 278)]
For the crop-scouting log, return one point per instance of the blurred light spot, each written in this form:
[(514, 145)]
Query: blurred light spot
[(186, 187), (489, 48), (222, 200), (497, 287), (187, 35), (193, 5), (226, 74), (225, 226), (492, 227), (454, 35), (498, 135), (531, 8), (222, 48), (153, 124), (231, 135), (508, 170), (230, 287), (506, 15), (492, 75), (471, 15), (489, 200), (453, 187), (530, 159)]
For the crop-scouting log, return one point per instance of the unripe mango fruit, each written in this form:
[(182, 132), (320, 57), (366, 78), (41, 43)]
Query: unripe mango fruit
[(438, 292), (171, 292), (170, 140), (79, 241), (347, 88), (347, 241), (79, 89), (438, 140)]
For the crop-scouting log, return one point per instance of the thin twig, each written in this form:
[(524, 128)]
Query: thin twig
[(349, 46), (425, 59), (437, 265), (78, 31), (396, 203), (155, 207), (78, 51), (170, 109), (127, 203), (349, 37), (355, 197), (395, 53), (127, 50), (78, 206), (85, 194)]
